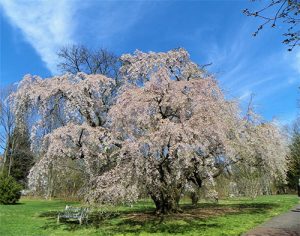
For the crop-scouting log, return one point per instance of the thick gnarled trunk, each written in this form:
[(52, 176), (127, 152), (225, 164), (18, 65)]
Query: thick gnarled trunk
[(166, 203), (195, 198)]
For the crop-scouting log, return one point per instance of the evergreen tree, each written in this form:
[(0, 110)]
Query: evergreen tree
[(293, 173)]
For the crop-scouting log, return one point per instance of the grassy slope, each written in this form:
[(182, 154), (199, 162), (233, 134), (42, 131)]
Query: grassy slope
[(229, 217)]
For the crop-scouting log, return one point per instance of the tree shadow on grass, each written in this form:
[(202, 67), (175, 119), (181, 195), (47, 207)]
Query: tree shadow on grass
[(193, 218), (13, 204)]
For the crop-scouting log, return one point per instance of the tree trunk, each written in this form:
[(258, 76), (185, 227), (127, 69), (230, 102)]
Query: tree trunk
[(50, 183), (10, 164), (166, 203), (195, 197), (4, 164), (11, 151), (166, 195)]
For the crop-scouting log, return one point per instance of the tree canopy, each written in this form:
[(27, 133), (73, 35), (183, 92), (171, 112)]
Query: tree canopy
[(167, 129)]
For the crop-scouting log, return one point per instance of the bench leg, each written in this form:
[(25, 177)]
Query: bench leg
[(80, 221), (58, 219)]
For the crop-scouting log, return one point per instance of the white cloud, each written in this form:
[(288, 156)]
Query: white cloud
[(46, 25), (245, 95)]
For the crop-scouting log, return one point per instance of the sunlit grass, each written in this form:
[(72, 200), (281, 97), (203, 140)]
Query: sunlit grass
[(228, 217)]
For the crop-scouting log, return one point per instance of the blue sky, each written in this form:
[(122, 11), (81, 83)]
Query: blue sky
[(212, 31)]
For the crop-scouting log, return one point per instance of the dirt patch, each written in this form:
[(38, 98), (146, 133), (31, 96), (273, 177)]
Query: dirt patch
[(188, 214)]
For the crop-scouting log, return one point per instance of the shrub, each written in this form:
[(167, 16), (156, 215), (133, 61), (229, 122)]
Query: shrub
[(10, 190)]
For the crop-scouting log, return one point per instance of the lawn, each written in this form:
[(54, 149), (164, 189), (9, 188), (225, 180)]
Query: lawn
[(228, 217)]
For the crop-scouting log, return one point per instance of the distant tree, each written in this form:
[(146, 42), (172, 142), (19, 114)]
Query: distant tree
[(22, 158), (276, 12), (7, 126), (293, 173), (14, 140), (79, 58)]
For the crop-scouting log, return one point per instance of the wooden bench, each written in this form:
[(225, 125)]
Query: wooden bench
[(78, 213)]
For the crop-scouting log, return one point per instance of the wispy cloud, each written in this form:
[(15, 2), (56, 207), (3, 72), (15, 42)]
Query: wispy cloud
[(45, 25), (247, 68), (245, 95), (48, 25)]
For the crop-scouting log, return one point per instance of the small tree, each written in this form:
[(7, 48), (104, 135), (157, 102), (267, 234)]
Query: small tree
[(10, 190)]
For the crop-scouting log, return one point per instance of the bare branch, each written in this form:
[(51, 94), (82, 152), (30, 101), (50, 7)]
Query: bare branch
[(285, 11), (78, 58)]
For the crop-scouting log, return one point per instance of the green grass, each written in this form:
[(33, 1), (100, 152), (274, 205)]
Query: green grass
[(229, 217)]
